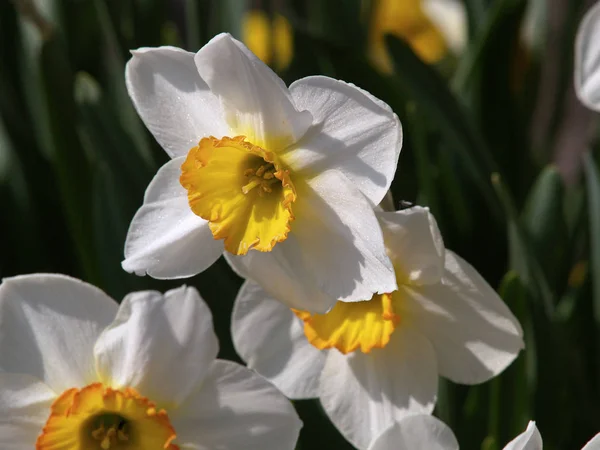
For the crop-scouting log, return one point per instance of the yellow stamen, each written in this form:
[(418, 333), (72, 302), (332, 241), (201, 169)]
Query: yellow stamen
[(99, 418), (351, 326), (251, 185), (243, 192)]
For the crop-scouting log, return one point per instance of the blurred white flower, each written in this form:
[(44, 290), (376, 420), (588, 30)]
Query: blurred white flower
[(373, 362), (291, 174), (79, 372), (422, 432), (587, 59), (450, 17)]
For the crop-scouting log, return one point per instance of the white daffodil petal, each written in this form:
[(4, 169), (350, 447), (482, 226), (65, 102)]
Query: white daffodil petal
[(166, 239), (270, 338), (418, 432), (236, 409), (284, 276), (363, 394), (257, 103), (340, 240), (49, 325), (353, 132), (530, 439), (587, 59), (450, 16), (473, 332), (24, 409), (414, 245), (593, 444), (173, 101), (160, 345)]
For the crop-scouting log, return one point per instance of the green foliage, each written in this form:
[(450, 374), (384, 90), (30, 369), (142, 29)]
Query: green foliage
[(75, 160)]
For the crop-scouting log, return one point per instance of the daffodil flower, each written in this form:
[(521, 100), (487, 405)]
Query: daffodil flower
[(422, 432), (270, 38), (373, 362), (283, 180), (78, 372), (587, 59)]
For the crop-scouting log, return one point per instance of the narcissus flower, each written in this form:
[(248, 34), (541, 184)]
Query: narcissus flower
[(408, 20), (77, 372), (282, 179), (587, 59), (422, 432), (374, 362), (269, 39)]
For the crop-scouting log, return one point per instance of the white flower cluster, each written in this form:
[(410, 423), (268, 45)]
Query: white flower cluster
[(361, 308)]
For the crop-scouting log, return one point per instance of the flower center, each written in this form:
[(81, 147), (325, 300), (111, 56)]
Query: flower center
[(100, 418), (241, 190), (351, 326), (110, 430)]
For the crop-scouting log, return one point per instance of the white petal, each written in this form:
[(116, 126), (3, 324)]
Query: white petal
[(340, 239), (236, 409), (24, 409), (353, 132), (284, 276), (49, 325), (450, 17), (414, 245), (593, 444), (587, 59), (161, 346), (474, 334), (173, 101), (256, 101), (419, 432), (529, 439), (363, 394), (166, 239), (270, 338)]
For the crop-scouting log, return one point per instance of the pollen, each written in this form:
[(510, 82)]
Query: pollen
[(353, 326), (242, 190), (101, 418)]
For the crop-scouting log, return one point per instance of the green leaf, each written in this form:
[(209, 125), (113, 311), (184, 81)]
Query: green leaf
[(592, 178), (117, 92), (229, 17), (68, 158), (117, 170), (522, 254), (511, 406), (544, 220), (20, 236), (432, 95), (495, 18)]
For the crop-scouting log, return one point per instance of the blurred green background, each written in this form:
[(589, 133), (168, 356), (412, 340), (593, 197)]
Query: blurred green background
[(495, 144)]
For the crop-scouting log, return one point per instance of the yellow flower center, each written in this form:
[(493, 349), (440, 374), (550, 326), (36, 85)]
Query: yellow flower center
[(351, 326), (241, 190), (101, 418)]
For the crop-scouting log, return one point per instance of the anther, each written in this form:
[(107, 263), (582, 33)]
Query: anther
[(249, 172), (254, 182), (98, 433), (260, 171), (265, 186), (122, 435)]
